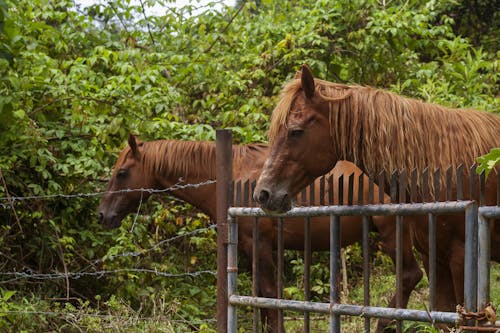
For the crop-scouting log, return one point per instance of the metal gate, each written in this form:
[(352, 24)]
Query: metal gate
[(476, 269)]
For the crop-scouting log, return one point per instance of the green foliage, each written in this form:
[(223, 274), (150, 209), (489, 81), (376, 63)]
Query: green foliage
[(74, 82), (488, 161)]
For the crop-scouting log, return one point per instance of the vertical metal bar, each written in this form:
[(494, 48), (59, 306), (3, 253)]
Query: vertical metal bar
[(432, 262), (303, 194), (425, 185), (437, 185), (394, 187), (413, 186), (472, 183), (322, 191), (361, 188), (252, 187), (399, 268), (482, 189), (330, 190), (350, 189), (470, 274), (401, 180), (334, 270), (483, 292), (371, 185), (341, 189), (403, 188), (279, 283), (312, 195), (232, 276), (224, 175), (307, 270), (460, 182), (366, 268), (246, 193), (381, 187), (238, 193), (255, 270), (449, 182)]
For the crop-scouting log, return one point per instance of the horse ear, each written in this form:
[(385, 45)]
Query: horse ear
[(132, 142), (307, 80)]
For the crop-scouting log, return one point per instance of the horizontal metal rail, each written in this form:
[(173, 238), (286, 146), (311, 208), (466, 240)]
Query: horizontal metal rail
[(335, 309), (489, 212), (372, 210), (346, 309)]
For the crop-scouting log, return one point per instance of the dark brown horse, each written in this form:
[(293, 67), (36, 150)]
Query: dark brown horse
[(160, 164), (316, 123)]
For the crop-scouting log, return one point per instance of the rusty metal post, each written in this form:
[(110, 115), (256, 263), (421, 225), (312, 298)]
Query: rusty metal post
[(224, 174), (334, 271)]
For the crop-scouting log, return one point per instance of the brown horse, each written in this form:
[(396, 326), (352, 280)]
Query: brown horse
[(316, 123), (160, 164)]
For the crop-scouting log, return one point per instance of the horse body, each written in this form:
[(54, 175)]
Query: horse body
[(160, 164), (316, 123)]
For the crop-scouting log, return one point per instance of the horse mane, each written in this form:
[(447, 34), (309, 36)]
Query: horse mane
[(183, 159), (382, 131)]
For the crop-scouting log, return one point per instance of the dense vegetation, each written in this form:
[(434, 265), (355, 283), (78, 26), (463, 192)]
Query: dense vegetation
[(75, 81)]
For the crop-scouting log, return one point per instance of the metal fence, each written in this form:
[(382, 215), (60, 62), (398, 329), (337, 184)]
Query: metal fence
[(401, 191)]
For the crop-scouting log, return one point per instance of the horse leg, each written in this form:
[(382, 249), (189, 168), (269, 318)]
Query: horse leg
[(265, 277), (267, 284), (457, 264), (412, 273)]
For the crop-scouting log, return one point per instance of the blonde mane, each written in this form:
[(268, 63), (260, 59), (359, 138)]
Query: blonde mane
[(382, 131)]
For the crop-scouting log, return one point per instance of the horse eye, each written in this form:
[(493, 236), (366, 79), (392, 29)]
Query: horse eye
[(295, 132), (122, 173)]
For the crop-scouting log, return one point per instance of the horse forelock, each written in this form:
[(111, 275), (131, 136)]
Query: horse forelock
[(280, 112), (122, 157), (289, 93)]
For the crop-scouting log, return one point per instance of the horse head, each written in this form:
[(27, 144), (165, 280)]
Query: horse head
[(300, 139), (128, 174)]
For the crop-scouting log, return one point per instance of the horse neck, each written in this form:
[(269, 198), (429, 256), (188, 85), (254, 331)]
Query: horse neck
[(195, 164), (189, 166), (203, 198)]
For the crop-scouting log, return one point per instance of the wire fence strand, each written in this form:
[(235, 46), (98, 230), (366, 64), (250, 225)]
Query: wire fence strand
[(90, 269), (13, 199)]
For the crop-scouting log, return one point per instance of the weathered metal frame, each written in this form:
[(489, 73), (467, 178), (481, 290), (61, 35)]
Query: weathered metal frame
[(334, 308), (477, 247)]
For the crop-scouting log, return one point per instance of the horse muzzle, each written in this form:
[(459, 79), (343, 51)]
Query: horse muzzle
[(109, 220), (273, 202)]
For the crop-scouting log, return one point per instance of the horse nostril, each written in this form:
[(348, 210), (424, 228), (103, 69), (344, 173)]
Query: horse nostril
[(263, 196)]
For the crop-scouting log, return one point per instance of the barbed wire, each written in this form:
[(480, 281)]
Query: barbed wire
[(29, 274), (89, 270), (12, 199), (99, 274)]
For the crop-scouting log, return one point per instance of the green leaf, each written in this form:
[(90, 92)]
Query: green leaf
[(488, 161)]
